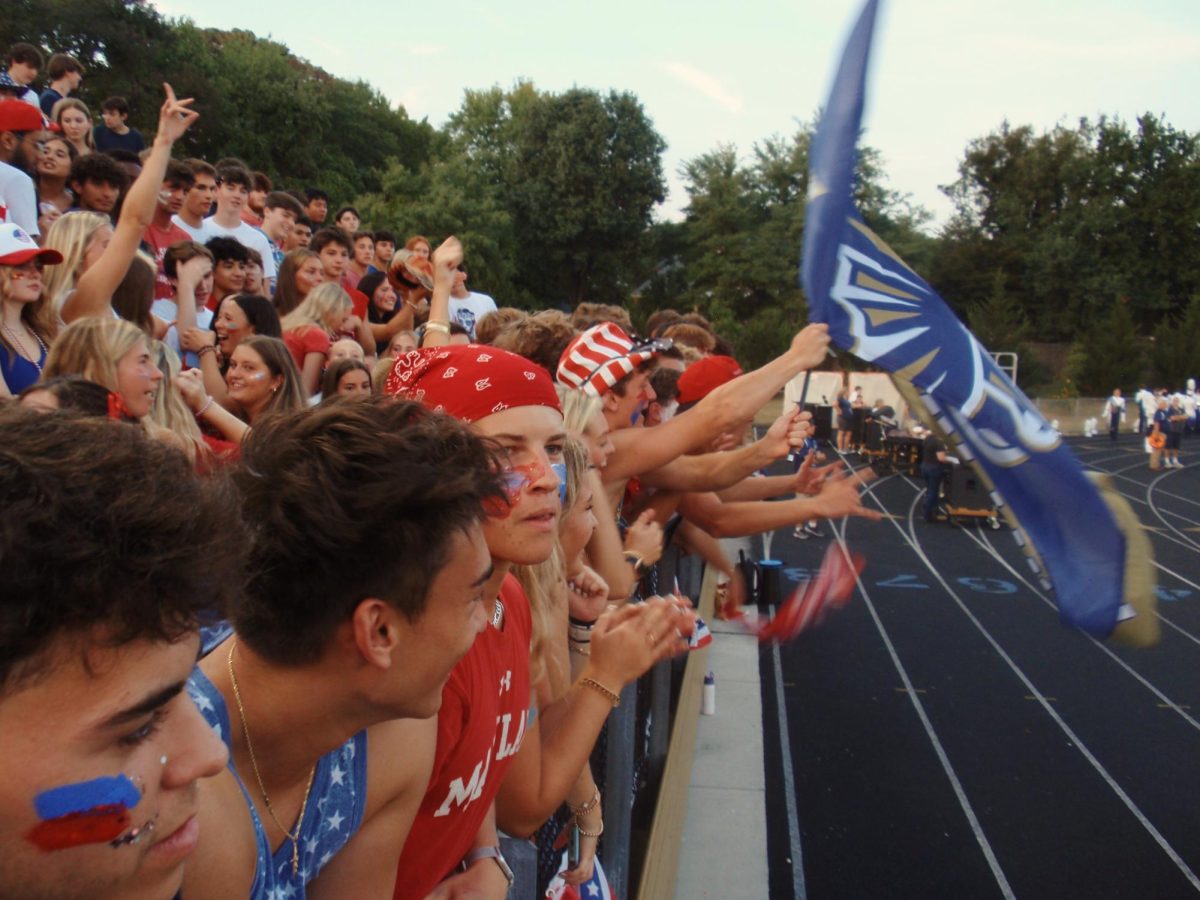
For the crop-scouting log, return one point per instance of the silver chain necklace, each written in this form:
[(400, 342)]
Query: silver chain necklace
[(19, 346)]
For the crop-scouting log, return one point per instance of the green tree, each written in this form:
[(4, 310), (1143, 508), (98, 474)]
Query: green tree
[(1107, 354), (453, 196), (1077, 218), (1176, 355), (257, 101)]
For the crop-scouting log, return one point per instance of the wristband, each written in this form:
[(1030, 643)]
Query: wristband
[(208, 348), (637, 561), (443, 327), (579, 632), (202, 410)]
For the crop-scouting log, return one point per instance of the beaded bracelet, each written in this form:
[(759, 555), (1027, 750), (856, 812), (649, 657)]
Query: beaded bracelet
[(207, 348), (595, 834), (587, 807)]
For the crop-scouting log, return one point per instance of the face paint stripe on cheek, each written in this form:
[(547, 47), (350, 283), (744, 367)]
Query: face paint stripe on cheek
[(89, 812)]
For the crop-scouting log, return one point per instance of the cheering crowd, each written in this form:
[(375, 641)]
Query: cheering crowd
[(319, 570)]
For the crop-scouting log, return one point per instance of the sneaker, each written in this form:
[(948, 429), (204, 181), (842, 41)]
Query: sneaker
[(800, 533), (813, 529)]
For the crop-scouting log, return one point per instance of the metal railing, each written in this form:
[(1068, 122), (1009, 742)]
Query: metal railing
[(631, 780)]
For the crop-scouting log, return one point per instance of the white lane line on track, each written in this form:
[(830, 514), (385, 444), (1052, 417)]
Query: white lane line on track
[(1154, 509), (1179, 497), (986, 545), (799, 889), (1133, 808), (952, 776), (1158, 612)]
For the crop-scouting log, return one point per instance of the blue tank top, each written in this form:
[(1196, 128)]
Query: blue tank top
[(334, 812), (18, 372)]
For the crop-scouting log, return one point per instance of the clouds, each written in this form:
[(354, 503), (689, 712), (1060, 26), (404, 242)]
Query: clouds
[(704, 84)]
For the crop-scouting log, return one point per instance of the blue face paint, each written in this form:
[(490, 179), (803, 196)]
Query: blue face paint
[(87, 795), (560, 469), (89, 812)]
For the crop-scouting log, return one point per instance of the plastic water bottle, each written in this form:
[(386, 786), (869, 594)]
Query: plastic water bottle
[(708, 705)]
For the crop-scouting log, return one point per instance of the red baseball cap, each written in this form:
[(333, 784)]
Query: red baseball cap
[(704, 376), (17, 115)]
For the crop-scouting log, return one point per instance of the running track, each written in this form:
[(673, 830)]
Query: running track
[(945, 736)]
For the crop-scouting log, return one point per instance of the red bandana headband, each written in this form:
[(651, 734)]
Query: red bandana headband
[(470, 382)]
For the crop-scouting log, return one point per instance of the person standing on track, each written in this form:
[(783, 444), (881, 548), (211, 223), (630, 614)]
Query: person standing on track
[(933, 454), (1114, 409)]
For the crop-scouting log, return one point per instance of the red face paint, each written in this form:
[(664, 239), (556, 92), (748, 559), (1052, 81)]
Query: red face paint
[(96, 826), (514, 480), (89, 812)]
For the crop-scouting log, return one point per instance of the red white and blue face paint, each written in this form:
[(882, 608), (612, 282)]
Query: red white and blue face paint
[(516, 479), (88, 812)]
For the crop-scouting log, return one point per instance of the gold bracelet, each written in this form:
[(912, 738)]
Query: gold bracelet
[(443, 327), (592, 683), (587, 807), (591, 833)]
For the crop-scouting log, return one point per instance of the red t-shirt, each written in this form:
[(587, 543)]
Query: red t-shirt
[(360, 301), (485, 709), (158, 241), (305, 340)]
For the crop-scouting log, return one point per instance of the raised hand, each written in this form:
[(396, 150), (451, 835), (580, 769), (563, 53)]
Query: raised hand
[(811, 344), (175, 117)]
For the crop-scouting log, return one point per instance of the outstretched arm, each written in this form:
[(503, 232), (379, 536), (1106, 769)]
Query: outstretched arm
[(641, 450), (718, 471), (839, 496), (94, 289)]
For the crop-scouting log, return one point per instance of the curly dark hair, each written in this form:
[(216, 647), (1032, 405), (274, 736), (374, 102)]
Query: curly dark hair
[(335, 519), (105, 534)]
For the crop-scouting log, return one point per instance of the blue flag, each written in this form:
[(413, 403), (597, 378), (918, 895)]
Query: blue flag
[(884, 313)]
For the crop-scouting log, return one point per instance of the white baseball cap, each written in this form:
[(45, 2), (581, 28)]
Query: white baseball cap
[(17, 247)]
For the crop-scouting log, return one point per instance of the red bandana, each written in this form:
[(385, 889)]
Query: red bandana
[(470, 382)]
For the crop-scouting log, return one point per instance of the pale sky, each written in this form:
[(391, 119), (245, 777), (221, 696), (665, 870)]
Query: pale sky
[(710, 73)]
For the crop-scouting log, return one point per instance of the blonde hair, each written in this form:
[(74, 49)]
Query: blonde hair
[(321, 302), (575, 455), (171, 413), (380, 372), (545, 585), (578, 408), (38, 316), (70, 235), (61, 106), (92, 347)]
